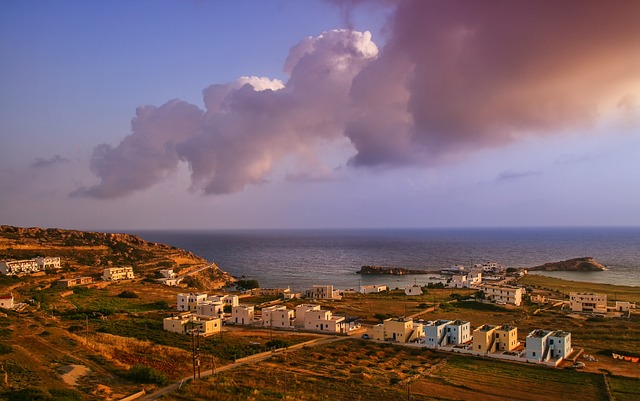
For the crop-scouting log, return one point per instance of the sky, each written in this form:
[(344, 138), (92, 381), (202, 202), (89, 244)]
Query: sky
[(128, 115)]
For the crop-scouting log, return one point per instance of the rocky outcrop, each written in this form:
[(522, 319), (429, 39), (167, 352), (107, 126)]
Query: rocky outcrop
[(577, 264), (389, 270)]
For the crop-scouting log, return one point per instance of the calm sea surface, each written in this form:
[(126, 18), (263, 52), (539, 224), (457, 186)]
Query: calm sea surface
[(301, 258)]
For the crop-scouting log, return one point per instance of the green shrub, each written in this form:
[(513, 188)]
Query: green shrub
[(127, 294), (145, 374), (5, 348)]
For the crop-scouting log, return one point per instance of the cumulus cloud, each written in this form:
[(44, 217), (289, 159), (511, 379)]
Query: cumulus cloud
[(453, 77)]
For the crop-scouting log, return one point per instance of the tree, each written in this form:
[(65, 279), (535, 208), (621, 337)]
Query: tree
[(247, 284), (479, 294)]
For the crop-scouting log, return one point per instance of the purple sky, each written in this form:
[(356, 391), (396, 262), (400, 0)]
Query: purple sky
[(285, 114)]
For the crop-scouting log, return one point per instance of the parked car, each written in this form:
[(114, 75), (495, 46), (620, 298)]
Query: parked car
[(577, 365), (365, 336)]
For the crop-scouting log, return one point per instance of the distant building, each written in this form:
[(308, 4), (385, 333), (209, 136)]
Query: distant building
[(465, 280), (167, 273), (270, 291), (624, 306), (209, 308), (6, 301), (322, 292), (13, 267), (412, 290), (301, 311), (228, 299), (48, 262), (324, 321), (117, 273), (72, 282), (588, 302), (372, 289), (186, 322), (502, 293)]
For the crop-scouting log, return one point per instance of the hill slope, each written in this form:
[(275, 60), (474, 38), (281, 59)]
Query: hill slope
[(80, 249)]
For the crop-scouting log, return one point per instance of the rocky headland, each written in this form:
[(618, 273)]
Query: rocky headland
[(587, 264), (85, 251)]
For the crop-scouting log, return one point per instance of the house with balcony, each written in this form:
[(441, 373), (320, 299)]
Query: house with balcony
[(588, 302), (502, 293), (544, 345), (13, 267), (48, 262), (434, 332)]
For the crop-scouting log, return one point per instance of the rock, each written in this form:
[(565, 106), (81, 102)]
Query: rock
[(577, 264)]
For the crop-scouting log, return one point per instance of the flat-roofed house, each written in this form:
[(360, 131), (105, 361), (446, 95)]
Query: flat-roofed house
[(373, 289), (324, 321), (117, 273), (537, 349), (560, 344), (506, 338), (72, 282), (189, 302), (457, 332), (413, 290), (301, 311), (227, 299), (588, 302), (322, 292), (502, 293), (434, 332), (484, 338), (279, 317), (13, 267), (242, 314), (48, 262), (209, 308), (186, 322), (400, 330)]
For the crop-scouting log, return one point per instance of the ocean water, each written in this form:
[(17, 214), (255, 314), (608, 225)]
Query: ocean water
[(301, 258)]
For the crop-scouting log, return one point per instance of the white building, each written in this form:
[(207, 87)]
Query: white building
[(6, 301), (48, 262), (412, 290), (536, 346), (324, 321), (12, 267), (560, 344), (502, 293), (228, 299), (588, 302), (188, 302), (278, 316), (242, 314), (301, 311), (434, 332), (185, 322), (322, 292), (624, 306), (373, 289), (167, 273), (209, 308), (117, 273), (489, 267), (466, 280)]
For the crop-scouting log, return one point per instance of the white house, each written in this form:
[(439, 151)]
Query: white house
[(537, 349), (48, 262), (624, 306), (188, 302), (400, 330), (117, 273), (412, 290), (167, 273), (434, 332), (209, 308), (242, 314), (560, 344), (588, 302), (278, 316), (502, 293), (6, 301), (457, 332), (301, 311), (185, 322), (322, 292), (373, 289), (324, 321), (227, 299)]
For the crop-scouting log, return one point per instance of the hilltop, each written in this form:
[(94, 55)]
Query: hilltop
[(576, 264), (80, 250)]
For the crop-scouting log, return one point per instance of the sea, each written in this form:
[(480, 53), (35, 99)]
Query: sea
[(303, 257)]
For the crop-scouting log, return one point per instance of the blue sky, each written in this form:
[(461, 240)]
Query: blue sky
[(414, 127)]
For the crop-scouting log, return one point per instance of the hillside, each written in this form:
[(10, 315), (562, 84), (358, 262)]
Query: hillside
[(80, 250)]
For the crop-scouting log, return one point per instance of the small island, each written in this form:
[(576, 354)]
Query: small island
[(586, 264), (398, 271)]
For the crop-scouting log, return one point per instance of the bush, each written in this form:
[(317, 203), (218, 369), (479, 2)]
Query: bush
[(29, 394), (247, 284), (5, 348), (277, 344), (65, 394), (127, 294), (148, 375)]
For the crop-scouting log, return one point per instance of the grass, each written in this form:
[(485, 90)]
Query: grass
[(624, 388), (614, 292)]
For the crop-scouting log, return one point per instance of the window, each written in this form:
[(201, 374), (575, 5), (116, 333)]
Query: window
[(533, 353)]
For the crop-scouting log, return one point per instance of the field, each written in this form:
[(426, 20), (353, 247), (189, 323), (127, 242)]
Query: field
[(359, 370)]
